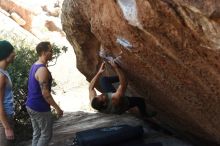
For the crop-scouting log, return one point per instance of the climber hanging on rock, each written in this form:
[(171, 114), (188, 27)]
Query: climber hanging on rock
[(111, 100)]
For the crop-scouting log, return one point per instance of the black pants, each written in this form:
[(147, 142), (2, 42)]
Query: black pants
[(106, 84)]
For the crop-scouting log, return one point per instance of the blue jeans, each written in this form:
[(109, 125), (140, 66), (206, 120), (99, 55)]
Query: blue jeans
[(42, 127), (106, 84)]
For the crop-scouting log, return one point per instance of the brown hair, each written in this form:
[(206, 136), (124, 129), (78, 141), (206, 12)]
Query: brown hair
[(96, 104), (42, 47)]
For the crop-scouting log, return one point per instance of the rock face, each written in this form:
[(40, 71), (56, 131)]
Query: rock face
[(37, 17), (170, 54), (13, 6)]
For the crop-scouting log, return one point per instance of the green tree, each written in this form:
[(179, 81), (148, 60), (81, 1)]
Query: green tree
[(19, 71)]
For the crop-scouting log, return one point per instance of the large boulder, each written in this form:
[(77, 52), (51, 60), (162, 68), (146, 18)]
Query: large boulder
[(170, 54)]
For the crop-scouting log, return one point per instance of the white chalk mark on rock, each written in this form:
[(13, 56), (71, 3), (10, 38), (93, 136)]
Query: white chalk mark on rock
[(129, 10)]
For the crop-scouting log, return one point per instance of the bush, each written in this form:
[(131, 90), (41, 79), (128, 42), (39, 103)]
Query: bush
[(19, 71)]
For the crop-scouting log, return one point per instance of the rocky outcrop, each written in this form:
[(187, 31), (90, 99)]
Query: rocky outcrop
[(170, 54), (17, 10), (38, 17), (11, 30)]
